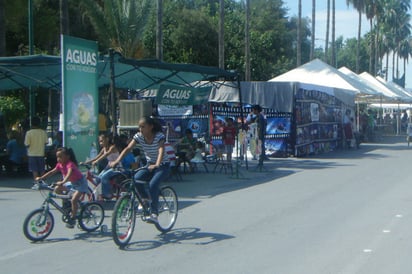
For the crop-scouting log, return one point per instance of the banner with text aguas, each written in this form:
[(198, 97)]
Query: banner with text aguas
[(79, 94)]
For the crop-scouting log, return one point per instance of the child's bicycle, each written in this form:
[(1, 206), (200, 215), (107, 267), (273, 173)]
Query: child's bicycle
[(93, 182), (40, 222), (131, 204)]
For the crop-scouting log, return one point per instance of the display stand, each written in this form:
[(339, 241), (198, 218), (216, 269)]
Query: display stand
[(238, 174)]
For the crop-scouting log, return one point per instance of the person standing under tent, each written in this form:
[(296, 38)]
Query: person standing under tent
[(261, 131), (35, 140), (228, 138), (347, 128)]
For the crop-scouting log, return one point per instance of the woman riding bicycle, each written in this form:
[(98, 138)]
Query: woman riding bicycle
[(151, 139)]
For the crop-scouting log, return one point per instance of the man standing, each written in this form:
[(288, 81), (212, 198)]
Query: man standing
[(35, 141), (261, 131)]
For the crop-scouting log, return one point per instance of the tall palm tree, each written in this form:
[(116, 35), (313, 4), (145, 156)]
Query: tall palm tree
[(333, 61), (2, 29), (327, 32), (312, 44), (370, 10), (247, 41), (120, 24), (359, 5), (221, 34), (299, 36), (159, 30)]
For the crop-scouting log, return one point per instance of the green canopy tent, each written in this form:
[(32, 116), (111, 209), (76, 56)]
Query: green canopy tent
[(25, 72)]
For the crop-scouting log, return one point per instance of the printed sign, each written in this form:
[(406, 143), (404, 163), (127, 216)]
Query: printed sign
[(177, 95), (80, 94)]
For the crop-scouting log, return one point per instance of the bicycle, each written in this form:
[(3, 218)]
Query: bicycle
[(132, 204), (40, 222), (94, 183)]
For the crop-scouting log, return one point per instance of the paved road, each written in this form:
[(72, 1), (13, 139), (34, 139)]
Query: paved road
[(342, 212)]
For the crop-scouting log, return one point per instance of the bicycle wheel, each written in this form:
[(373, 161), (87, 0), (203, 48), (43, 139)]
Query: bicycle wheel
[(38, 225), (123, 220), (91, 216), (168, 209)]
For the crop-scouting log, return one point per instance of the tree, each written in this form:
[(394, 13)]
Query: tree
[(221, 34), (13, 110), (119, 24), (333, 61), (299, 37), (312, 44), (2, 30), (327, 31), (359, 5)]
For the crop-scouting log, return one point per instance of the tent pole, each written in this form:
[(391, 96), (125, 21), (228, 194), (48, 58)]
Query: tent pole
[(241, 119), (112, 87)]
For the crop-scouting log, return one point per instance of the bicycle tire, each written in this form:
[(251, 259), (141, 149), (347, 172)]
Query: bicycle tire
[(38, 225), (91, 216), (168, 209), (123, 220)]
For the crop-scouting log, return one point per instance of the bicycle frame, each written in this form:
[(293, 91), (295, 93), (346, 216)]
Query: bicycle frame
[(95, 182)]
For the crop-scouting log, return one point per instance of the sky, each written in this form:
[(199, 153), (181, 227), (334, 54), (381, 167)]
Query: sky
[(346, 24)]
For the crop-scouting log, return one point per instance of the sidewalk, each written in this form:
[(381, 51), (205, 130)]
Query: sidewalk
[(202, 184)]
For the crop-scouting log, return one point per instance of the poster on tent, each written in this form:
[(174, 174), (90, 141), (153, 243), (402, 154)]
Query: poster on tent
[(80, 94)]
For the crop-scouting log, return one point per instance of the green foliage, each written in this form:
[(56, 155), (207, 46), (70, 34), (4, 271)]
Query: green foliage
[(13, 110)]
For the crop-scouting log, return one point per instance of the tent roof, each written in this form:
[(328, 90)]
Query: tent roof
[(317, 74), (45, 71), (25, 71), (376, 84), (366, 91), (406, 96)]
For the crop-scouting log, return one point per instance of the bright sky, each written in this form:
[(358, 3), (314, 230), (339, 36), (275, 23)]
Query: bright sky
[(346, 24)]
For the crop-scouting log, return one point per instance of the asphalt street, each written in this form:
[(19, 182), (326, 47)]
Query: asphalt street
[(340, 212)]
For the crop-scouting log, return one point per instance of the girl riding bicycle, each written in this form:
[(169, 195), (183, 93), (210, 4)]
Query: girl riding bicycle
[(72, 179), (151, 139), (110, 151)]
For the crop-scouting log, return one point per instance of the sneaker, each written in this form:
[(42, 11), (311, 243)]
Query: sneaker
[(152, 218), (71, 223), (139, 208)]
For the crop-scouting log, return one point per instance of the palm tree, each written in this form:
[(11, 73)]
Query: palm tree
[(159, 30), (359, 5), (2, 30), (299, 36), (327, 32), (312, 45), (247, 41), (221, 34), (370, 9), (119, 24), (333, 61)]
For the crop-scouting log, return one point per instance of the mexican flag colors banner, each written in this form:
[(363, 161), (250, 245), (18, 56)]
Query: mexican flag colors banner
[(79, 95)]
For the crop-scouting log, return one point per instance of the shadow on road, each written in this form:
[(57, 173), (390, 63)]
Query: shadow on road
[(189, 236)]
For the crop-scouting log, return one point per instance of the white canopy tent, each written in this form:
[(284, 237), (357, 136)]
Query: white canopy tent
[(368, 93), (321, 75), (390, 96)]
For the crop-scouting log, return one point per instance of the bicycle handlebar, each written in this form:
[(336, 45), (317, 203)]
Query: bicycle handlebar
[(41, 185)]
